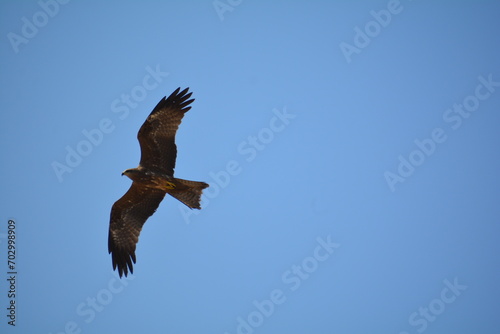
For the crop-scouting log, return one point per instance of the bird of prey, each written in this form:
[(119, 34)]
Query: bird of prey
[(152, 179)]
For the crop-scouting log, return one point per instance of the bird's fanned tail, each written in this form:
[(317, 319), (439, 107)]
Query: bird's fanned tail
[(189, 192)]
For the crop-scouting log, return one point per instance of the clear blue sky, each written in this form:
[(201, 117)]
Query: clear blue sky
[(351, 150)]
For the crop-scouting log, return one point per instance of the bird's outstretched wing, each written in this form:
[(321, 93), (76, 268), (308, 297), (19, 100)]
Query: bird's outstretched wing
[(157, 134), (128, 214)]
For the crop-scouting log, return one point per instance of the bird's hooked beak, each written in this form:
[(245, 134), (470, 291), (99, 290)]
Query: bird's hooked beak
[(129, 172)]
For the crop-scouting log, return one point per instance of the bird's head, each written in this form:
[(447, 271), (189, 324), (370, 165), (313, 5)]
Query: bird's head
[(131, 173)]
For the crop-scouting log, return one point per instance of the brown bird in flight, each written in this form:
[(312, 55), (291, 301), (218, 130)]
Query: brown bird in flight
[(152, 179)]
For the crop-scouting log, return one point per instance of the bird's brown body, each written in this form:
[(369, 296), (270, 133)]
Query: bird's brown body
[(151, 179)]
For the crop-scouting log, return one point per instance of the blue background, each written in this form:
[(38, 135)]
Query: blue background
[(360, 89)]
